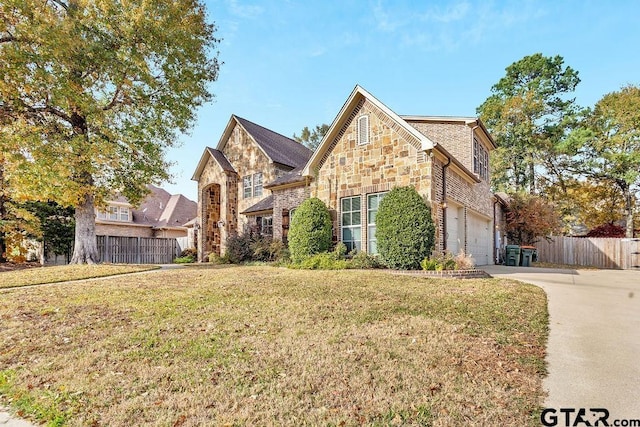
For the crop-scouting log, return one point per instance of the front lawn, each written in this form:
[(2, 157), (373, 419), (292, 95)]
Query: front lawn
[(271, 346), (63, 273)]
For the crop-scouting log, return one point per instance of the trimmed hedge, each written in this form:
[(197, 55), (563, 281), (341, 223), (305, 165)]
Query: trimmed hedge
[(404, 229), (310, 230)]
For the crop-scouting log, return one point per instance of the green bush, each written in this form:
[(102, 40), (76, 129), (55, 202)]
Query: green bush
[(184, 260), (310, 231), (444, 262), (404, 229), (216, 259), (322, 261), (363, 260)]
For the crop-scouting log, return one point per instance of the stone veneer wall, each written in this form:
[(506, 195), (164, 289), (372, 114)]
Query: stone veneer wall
[(286, 199), (392, 158)]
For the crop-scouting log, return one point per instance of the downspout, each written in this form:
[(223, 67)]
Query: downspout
[(495, 229), (444, 204)]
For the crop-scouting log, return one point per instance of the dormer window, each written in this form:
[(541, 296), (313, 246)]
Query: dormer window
[(115, 213), (363, 130)]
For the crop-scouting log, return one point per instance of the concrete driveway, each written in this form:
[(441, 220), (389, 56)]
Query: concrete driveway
[(594, 341)]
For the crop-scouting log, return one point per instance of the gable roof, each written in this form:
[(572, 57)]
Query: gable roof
[(469, 121), (218, 156), (278, 148), (291, 177), (356, 96)]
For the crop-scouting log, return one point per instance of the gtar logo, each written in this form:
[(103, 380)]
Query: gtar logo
[(591, 417)]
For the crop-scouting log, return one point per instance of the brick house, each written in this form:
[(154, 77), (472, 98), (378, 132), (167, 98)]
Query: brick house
[(367, 151), (160, 215)]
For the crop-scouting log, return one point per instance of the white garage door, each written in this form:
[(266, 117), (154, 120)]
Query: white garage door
[(479, 243), (455, 228)]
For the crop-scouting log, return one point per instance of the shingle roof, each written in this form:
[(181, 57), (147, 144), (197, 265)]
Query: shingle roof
[(290, 177), (221, 159), (265, 204), (161, 209), (278, 147)]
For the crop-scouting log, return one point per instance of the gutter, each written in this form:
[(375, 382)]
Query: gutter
[(444, 204)]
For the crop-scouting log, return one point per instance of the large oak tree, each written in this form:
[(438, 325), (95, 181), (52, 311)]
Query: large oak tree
[(92, 92)]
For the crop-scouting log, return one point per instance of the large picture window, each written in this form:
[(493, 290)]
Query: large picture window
[(373, 202), (351, 229)]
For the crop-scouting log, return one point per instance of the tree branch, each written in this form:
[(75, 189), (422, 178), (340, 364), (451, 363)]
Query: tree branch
[(114, 100)]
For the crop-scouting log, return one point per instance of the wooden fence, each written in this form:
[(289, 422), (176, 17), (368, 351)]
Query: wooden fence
[(137, 250), (590, 251)]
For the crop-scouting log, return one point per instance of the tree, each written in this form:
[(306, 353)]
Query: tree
[(55, 226), (607, 148), (404, 229), (312, 138), (528, 115), (91, 94), (310, 230), (528, 218)]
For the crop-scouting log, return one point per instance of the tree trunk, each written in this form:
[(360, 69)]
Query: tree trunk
[(628, 198), (86, 249)]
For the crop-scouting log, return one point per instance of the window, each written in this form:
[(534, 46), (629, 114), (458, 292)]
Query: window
[(480, 160), (113, 213), (351, 230), (124, 214), (267, 225), (257, 184), (373, 202), (102, 215), (247, 186), (363, 130)]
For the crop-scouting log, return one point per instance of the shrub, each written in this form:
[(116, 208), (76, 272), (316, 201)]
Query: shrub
[(607, 230), (340, 250), (404, 229), (464, 261), (184, 260), (363, 260), (238, 248), (216, 259), (192, 252), (322, 261), (310, 231)]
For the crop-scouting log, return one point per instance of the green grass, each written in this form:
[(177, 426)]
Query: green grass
[(63, 273), (273, 346)]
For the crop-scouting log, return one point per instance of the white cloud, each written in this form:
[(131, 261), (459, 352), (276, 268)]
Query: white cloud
[(246, 11)]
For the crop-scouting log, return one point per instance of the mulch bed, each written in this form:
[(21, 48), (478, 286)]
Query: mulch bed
[(10, 266)]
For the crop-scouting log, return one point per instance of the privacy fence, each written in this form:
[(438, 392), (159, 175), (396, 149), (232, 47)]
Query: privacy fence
[(137, 250), (590, 251)]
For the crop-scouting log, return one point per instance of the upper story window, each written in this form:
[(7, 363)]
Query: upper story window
[(115, 213), (257, 184), (363, 130), (247, 186), (480, 160)]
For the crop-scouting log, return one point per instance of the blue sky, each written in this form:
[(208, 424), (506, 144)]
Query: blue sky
[(290, 64)]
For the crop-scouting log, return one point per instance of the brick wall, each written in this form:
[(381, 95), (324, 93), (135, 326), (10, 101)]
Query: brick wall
[(283, 201), (456, 138)]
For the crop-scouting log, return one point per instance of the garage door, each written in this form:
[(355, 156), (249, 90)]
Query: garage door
[(455, 228), (479, 243)]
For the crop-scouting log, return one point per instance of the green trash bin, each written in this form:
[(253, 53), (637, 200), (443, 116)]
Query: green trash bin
[(512, 255), (528, 255)]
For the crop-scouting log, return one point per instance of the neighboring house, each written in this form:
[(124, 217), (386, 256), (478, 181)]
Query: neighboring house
[(160, 215), (367, 151)]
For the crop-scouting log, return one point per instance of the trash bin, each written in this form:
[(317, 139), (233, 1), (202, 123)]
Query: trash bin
[(529, 254), (512, 255)]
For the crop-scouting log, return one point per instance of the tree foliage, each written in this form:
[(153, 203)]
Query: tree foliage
[(312, 137), (310, 230), (404, 229), (529, 114), (607, 147), (529, 218), (91, 94)]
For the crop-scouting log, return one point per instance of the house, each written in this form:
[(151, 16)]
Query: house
[(368, 150), (160, 215)]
